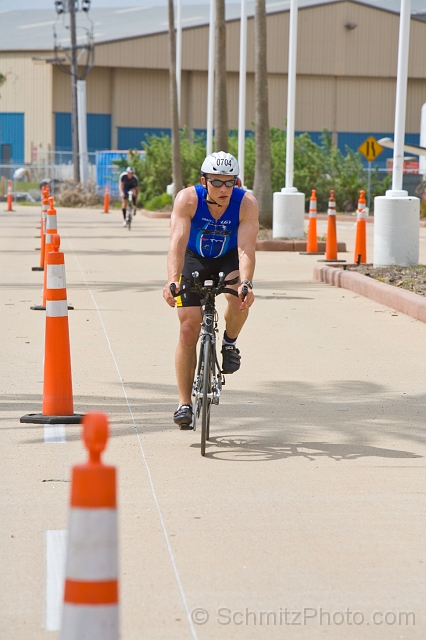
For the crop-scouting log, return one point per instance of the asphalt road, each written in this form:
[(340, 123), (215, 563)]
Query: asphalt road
[(306, 518)]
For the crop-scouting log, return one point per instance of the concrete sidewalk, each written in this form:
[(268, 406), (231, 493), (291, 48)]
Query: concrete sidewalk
[(309, 505)]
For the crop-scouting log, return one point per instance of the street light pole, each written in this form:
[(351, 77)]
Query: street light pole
[(210, 80), (396, 215), (289, 204), (179, 53), (242, 88), (74, 115)]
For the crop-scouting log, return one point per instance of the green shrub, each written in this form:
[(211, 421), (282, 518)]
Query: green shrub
[(159, 203), (316, 166)]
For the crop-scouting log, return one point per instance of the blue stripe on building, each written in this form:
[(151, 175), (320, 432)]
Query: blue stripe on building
[(12, 137), (98, 132), (132, 137)]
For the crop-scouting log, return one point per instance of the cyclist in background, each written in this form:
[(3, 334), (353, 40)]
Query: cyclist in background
[(128, 182), (214, 227)]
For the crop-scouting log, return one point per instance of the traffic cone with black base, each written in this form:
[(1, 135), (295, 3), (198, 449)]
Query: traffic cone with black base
[(312, 241), (360, 253), (44, 208), (51, 229), (58, 405), (90, 610)]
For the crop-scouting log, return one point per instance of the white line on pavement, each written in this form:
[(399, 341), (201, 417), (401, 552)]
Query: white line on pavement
[(56, 545), (54, 433), (160, 515)]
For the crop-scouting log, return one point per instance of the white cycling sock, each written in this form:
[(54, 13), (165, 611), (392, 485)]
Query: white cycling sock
[(227, 340)]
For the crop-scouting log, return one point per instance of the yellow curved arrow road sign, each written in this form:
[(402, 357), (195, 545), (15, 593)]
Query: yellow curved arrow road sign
[(370, 149)]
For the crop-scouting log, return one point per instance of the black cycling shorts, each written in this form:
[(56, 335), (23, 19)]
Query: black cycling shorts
[(126, 195), (209, 269)]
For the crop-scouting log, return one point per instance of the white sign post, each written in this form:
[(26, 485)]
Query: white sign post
[(289, 204), (396, 215)]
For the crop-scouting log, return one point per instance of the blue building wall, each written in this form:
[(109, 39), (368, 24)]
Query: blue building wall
[(98, 132), (12, 132), (107, 173)]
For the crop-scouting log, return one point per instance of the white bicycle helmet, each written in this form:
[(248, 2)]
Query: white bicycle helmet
[(130, 170), (221, 163)]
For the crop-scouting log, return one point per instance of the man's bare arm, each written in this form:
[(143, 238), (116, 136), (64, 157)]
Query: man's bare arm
[(184, 209), (247, 236)]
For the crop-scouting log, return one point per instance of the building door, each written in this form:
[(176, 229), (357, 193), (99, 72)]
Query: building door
[(6, 157)]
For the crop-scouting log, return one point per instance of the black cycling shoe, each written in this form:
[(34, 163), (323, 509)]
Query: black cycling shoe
[(183, 416), (231, 358)]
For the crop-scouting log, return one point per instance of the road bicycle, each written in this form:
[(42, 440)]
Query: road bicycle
[(209, 378), (130, 209)]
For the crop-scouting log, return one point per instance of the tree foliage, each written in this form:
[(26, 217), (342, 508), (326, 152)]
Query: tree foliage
[(316, 166)]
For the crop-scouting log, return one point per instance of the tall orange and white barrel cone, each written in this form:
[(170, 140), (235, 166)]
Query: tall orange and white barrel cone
[(44, 208), (360, 253), (106, 199), (9, 196), (58, 404), (90, 610)]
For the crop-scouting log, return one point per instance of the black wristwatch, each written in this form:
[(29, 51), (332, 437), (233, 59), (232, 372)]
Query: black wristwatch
[(248, 283)]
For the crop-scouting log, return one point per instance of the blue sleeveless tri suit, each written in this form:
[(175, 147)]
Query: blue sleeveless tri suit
[(213, 244), (211, 238)]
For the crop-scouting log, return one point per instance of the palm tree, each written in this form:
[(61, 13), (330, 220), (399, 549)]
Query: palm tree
[(220, 102), (176, 161), (262, 186)]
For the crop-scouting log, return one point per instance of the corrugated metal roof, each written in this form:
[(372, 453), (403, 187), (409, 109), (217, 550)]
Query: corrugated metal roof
[(32, 30)]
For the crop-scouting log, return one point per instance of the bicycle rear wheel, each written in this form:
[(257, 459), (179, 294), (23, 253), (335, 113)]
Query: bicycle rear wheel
[(206, 400)]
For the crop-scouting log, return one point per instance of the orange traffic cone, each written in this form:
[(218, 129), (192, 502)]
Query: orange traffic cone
[(331, 240), (44, 208), (331, 243), (51, 228), (9, 196), (106, 199), (360, 254), (90, 607), (312, 241), (58, 406)]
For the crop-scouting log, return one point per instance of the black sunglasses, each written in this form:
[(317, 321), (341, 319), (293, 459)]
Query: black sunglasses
[(218, 183)]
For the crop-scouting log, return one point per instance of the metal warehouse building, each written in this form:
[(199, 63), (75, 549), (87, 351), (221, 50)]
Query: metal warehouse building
[(346, 74)]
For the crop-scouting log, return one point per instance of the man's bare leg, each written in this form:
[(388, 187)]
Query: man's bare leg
[(234, 317), (186, 352)]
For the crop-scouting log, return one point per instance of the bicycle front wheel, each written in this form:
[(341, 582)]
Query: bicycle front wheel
[(206, 400)]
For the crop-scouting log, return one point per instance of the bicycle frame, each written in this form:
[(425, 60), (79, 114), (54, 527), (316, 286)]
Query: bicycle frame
[(209, 328), (208, 383)]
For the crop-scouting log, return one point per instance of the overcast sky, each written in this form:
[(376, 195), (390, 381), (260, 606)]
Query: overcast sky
[(49, 4)]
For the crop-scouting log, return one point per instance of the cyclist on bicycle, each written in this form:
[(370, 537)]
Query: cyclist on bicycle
[(128, 182), (214, 228)]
